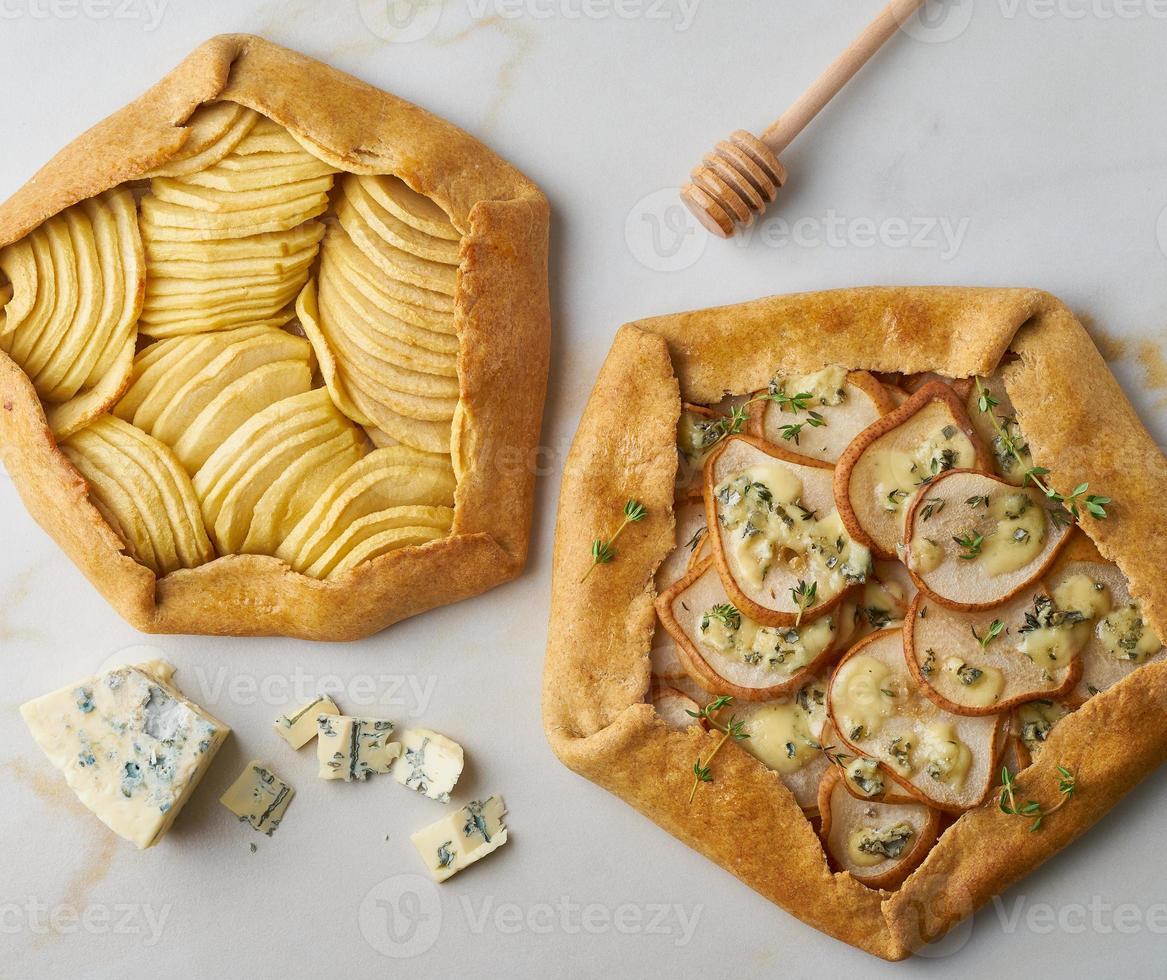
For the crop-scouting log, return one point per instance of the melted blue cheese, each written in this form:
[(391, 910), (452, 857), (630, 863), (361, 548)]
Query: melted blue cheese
[(899, 473), (298, 727), (784, 650), (353, 748), (765, 523), (430, 764), (259, 797), (129, 745), (457, 841)]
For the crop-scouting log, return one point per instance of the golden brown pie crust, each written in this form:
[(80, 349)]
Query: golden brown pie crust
[(1079, 424), (503, 323)]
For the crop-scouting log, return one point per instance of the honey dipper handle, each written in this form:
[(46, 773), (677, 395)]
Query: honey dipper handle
[(783, 131)]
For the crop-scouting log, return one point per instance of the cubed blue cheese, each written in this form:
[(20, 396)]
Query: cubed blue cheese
[(352, 748), (298, 727), (259, 797), (457, 841), (129, 745), (430, 763)]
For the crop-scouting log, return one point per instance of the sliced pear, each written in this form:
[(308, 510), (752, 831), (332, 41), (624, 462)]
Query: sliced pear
[(700, 430), (406, 204), (774, 532), (845, 402), (889, 462), (382, 544), (674, 706), (292, 494), (878, 844), (375, 524), (726, 652), (386, 478), (973, 540), (394, 262), (945, 760), (876, 606), (992, 421), (977, 663), (139, 482), (787, 735), (215, 130), (236, 404), (391, 229), (689, 517)]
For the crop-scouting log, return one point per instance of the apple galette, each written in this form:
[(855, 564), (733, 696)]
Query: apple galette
[(884, 629), (273, 350)]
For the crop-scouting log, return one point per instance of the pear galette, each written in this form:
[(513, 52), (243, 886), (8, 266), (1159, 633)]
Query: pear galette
[(883, 631), (274, 350)]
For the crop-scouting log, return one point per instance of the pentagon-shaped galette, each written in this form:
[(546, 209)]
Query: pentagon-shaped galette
[(273, 352), (893, 601)]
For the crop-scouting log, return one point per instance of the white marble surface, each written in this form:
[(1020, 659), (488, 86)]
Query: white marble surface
[(1034, 131)]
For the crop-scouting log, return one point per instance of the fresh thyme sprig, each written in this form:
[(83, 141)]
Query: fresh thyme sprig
[(1031, 808), (804, 596), (971, 543), (732, 729), (996, 627), (792, 431), (933, 505), (604, 551), (1095, 504)]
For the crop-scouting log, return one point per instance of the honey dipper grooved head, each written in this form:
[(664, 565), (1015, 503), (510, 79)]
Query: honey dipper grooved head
[(734, 183)]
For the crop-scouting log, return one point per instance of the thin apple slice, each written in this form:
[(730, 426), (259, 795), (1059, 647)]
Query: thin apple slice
[(972, 541), (945, 760), (381, 544), (424, 307), (1094, 615), (368, 526), (395, 263), (213, 132), (689, 518), (235, 253), (888, 463), (779, 544), (878, 844), (978, 663), (415, 209), (674, 706), (787, 735), (362, 193), (843, 403), (726, 652), (58, 295), (308, 313)]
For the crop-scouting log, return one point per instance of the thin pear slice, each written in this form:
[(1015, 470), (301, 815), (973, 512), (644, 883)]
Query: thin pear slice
[(690, 532), (382, 544), (259, 435), (846, 402), (392, 261), (967, 666), (391, 229), (1104, 624), (436, 309), (395, 477), (406, 204), (238, 402), (787, 735), (775, 534), (674, 706), (209, 140), (991, 421), (945, 760), (372, 525), (878, 844), (972, 541), (232, 521), (700, 430), (726, 652), (890, 461), (292, 494), (181, 509)]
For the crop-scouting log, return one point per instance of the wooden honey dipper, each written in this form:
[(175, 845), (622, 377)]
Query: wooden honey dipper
[(742, 174)]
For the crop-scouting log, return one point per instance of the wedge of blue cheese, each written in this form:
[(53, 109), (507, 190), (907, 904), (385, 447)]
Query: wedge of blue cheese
[(430, 763), (353, 748), (129, 745), (259, 797), (457, 841), (298, 727)]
